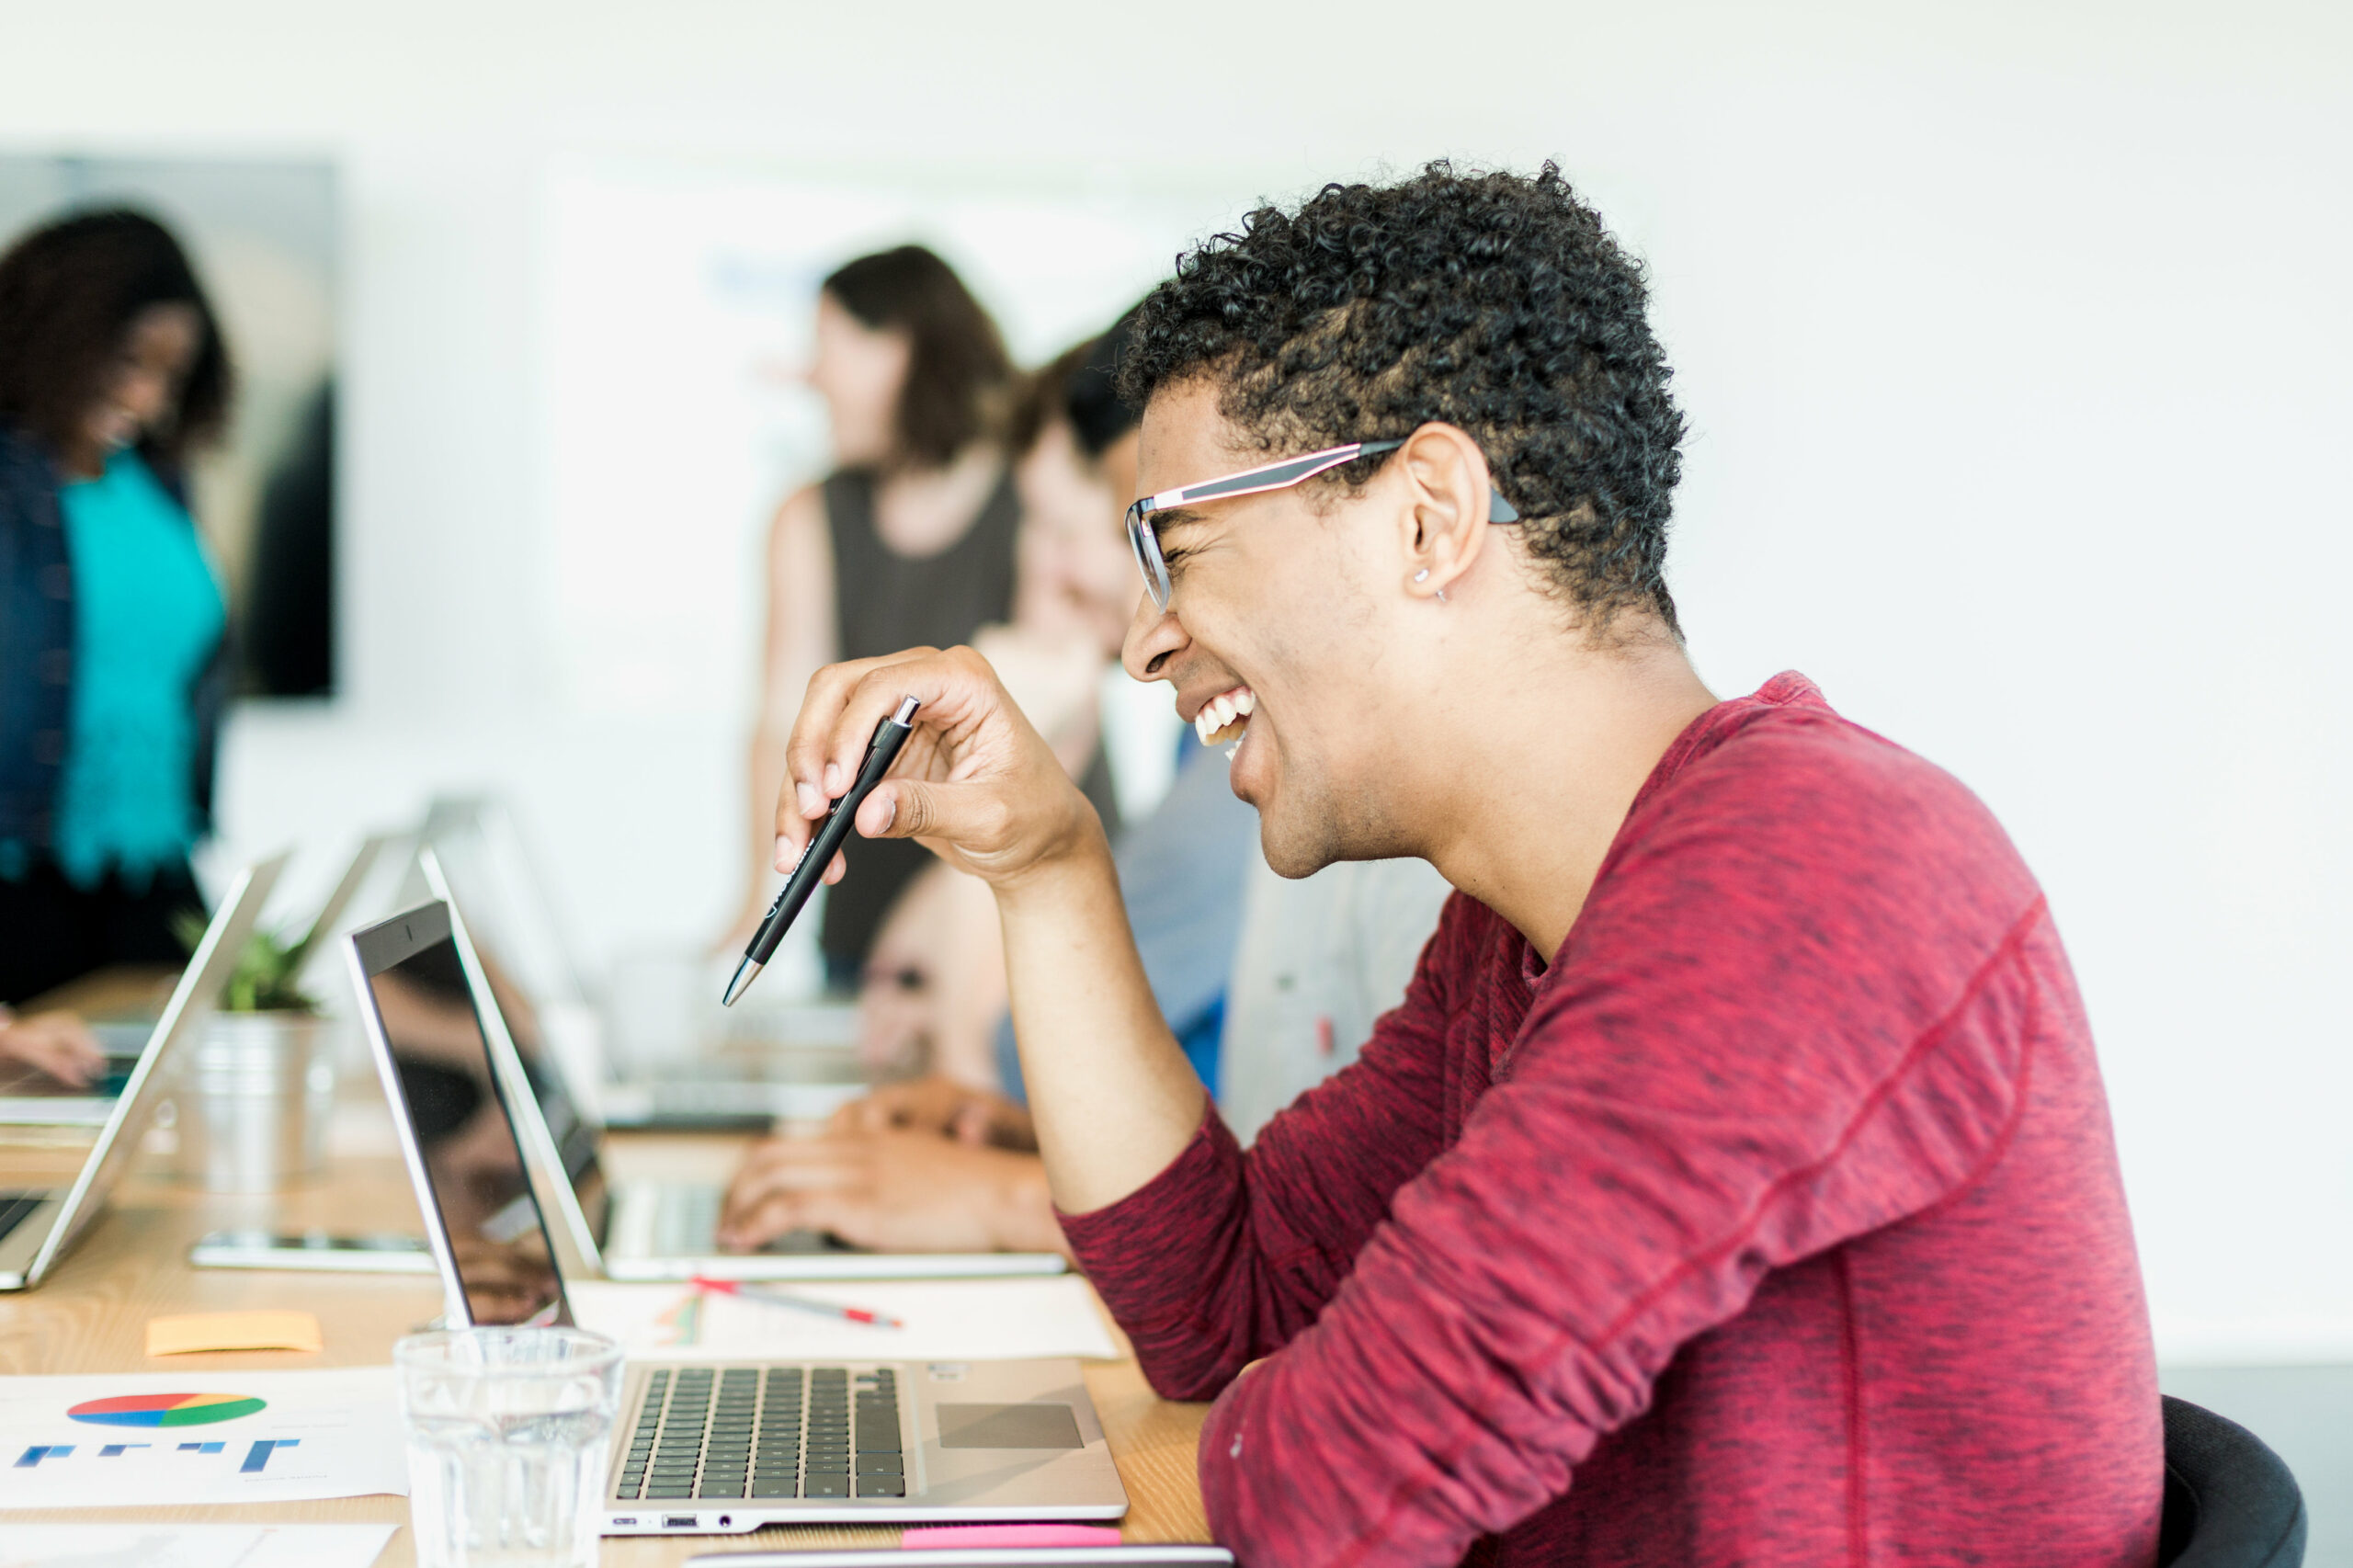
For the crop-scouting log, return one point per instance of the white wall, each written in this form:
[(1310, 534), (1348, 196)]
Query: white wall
[(2015, 339)]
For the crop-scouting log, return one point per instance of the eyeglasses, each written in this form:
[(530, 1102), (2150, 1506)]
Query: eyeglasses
[(1144, 539)]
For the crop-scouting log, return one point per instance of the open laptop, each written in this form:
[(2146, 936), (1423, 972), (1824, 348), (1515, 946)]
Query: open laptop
[(651, 1229), (485, 858), (703, 1449), (36, 1228), (29, 1097)]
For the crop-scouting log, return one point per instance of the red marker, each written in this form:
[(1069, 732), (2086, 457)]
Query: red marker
[(799, 1303)]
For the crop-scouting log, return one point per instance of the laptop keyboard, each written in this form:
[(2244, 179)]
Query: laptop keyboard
[(13, 1207), (686, 1219), (766, 1432)]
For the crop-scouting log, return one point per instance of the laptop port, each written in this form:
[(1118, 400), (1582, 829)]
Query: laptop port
[(678, 1521)]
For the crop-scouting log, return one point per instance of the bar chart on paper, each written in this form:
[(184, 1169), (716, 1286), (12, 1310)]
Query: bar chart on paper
[(256, 1436)]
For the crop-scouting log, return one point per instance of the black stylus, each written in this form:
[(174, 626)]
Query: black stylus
[(810, 869)]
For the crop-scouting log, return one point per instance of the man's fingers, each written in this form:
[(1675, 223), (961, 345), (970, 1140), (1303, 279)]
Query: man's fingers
[(758, 1226), (973, 1123), (884, 1108), (824, 712), (870, 691), (962, 815), (776, 1212), (844, 704)]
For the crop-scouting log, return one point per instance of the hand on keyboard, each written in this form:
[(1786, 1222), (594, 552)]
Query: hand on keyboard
[(940, 1104), (891, 1191), (58, 1044)]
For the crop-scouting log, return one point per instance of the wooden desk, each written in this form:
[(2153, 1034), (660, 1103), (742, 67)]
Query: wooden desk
[(91, 1316)]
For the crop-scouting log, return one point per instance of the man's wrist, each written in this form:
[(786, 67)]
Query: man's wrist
[(1024, 1210), (1074, 873)]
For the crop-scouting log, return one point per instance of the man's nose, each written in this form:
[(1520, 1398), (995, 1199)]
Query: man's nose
[(1154, 636)]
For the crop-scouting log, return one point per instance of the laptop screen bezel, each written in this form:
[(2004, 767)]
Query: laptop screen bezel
[(372, 951), (588, 1234), (193, 1000)]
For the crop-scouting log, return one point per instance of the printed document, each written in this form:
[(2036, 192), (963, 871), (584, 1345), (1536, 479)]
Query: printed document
[(176, 1437)]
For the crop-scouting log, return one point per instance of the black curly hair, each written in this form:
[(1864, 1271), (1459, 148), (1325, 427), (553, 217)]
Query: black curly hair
[(68, 292), (1493, 302)]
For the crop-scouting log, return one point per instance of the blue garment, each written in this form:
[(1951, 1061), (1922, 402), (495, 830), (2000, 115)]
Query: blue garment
[(148, 615), (1203, 1043), (37, 674), (1182, 870)]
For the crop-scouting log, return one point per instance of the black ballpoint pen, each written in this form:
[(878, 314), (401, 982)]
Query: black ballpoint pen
[(810, 869)]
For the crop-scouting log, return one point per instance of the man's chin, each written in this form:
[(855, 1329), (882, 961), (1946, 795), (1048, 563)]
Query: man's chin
[(1292, 855)]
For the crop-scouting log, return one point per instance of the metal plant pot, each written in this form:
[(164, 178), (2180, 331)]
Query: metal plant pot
[(253, 1099)]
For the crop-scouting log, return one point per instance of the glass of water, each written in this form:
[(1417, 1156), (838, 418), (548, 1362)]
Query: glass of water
[(509, 1435)]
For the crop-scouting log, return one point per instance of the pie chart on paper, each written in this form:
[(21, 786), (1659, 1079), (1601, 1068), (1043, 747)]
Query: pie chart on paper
[(166, 1409)]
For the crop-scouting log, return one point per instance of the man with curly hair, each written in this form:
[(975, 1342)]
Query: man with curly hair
[(1735, 1183)]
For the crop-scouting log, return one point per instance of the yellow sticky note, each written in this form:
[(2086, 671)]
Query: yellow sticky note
[(232, 1331)]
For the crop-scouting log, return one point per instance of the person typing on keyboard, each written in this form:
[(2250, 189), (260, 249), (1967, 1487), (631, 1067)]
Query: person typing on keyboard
[(1736, 1182), (58, 1043)]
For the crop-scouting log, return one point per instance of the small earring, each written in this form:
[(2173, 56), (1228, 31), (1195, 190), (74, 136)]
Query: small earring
[(1442, 595), (1423, 575)]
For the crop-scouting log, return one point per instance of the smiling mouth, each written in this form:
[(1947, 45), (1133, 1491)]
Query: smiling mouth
[(1223, 718)]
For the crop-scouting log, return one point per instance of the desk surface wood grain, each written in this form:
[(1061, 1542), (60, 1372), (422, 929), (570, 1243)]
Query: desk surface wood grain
[(91, 1316)]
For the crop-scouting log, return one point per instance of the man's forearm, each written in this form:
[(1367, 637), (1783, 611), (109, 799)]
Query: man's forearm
[(1113, 1097)]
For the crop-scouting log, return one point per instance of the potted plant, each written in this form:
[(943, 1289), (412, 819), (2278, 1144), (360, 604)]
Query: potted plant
[(256, 1091)]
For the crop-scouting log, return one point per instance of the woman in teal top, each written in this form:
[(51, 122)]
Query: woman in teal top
[(148, 615), (112, 617)]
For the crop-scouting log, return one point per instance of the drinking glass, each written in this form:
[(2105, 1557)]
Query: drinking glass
[(509, 1433)]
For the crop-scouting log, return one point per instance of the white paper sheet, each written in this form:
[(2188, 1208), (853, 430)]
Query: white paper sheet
[(282, 1438), (947, 1319), (192, 1545)]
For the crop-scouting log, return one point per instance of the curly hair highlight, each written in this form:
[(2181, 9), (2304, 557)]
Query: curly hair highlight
[(1493, 302)]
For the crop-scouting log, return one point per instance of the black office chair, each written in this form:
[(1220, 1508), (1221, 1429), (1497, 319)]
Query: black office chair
[(2230, 1502)]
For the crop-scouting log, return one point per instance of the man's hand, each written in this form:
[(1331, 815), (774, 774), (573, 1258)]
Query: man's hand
[(941, 1106), (974, 781), (891, 1191), (1114, 1097), (60, 1044)]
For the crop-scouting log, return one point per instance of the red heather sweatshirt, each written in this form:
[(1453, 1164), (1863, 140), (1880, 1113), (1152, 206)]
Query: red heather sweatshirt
[(1776, 1222)]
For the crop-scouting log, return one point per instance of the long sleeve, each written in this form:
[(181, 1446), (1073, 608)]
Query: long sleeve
[(1223, 1256), (1686, 1248), (1778, 1027)]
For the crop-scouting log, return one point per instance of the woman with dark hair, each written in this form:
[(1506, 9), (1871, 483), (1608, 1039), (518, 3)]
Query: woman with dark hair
[(112, 371), (909, 542)]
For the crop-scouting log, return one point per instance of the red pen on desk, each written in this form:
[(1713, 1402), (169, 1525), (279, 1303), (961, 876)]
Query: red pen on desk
[(799, 1303)]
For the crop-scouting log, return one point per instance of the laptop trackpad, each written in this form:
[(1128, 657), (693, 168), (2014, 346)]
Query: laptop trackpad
[(1033, 1426)]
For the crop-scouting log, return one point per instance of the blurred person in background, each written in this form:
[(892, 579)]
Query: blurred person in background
[(933, 988), (1269, 985), (112, 655), (910, 540)]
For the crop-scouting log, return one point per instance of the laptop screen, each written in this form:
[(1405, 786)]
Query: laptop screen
[(576, 1138), (472, 1160)]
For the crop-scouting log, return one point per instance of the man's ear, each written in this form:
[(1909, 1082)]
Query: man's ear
[(1443, 526)]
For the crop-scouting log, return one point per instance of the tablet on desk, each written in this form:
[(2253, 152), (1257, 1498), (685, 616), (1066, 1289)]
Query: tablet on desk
[(313, 1252)]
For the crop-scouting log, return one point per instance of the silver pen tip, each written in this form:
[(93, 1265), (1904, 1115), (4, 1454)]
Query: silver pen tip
[(746, 973)]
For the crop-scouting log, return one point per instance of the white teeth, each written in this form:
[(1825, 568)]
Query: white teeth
[(1220, 719)]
